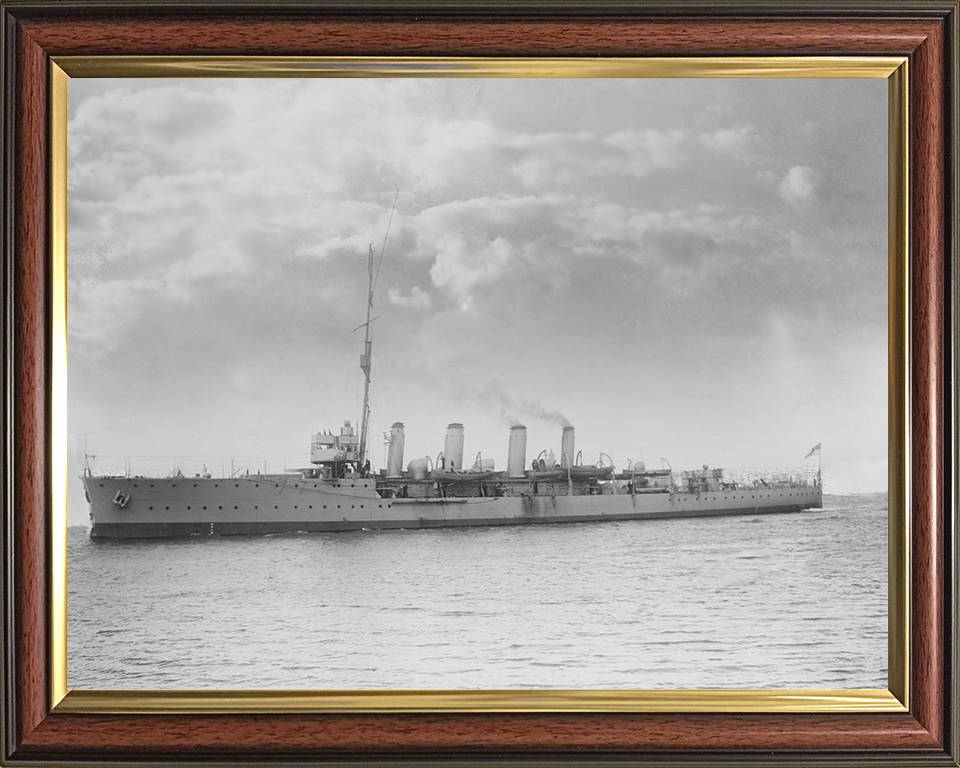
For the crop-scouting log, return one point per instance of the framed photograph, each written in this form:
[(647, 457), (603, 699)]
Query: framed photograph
[(422, 384)]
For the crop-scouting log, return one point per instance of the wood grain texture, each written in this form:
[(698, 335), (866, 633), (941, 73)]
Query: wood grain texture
[(927, 263), (294, 735), (426, 37), (918, 735), (30, 375)]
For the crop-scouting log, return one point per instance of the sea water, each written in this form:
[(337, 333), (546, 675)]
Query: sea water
[(773, 601)]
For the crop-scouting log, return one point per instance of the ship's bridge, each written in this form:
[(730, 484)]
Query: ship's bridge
[(328, 448)]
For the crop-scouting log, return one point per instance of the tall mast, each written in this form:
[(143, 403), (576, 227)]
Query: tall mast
[(365, 357), (365, 362)]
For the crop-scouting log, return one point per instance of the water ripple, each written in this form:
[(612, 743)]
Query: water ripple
[(775, 601)]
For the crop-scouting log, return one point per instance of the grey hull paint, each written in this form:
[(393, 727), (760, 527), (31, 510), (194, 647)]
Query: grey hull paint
[(181, 530), (177, 507)]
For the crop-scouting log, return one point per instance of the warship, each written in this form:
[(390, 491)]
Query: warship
[(340, 492)]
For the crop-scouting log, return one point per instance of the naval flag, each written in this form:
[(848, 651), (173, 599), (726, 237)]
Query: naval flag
[(812, 451)]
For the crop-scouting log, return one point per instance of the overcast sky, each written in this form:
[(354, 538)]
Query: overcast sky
[(689, 269)]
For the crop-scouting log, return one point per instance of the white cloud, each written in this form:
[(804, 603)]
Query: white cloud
[(461, 265), (647, 149), (571, 160), (799, 186), (733, 140), (416, 299)]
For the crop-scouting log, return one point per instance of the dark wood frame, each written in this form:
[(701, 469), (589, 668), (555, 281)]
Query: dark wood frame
[(926, 32)]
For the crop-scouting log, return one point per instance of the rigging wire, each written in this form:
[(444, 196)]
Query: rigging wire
[(385, 235)]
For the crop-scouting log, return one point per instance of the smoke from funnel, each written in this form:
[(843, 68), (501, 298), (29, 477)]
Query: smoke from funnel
[(515, 412)]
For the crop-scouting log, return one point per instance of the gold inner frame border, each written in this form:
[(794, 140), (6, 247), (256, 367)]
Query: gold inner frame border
[(892, 699)]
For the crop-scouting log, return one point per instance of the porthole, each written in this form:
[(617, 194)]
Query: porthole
[(167, 508), (219, 507), (151, 507), (234, 506), (101, 485)]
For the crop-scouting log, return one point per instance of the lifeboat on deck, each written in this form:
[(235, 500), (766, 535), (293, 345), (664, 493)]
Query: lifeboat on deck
[(587, 472), (453, 476)]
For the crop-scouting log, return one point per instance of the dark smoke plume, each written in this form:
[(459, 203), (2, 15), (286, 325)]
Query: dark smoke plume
[(515, 411)]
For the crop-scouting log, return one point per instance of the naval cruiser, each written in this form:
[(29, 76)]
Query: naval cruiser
[(339, 492)]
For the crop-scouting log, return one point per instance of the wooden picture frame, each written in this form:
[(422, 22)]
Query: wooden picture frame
[(38, 730)]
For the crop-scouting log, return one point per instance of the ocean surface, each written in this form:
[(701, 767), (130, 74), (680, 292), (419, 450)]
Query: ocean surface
[(776, 601)]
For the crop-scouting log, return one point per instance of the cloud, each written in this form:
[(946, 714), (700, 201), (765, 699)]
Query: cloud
[(416, 299), (461, 265), (101, 313), (647, 149), (799, 186), (685, 247), (573, 160), (732, 140)]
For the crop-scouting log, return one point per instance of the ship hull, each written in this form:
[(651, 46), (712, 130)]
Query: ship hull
[(182, 530), (166, 508)]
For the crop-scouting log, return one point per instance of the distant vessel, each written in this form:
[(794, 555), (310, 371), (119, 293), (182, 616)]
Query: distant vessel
[(338, 492)]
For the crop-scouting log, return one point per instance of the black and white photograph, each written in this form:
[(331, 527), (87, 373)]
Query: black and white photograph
[(386, 383)]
